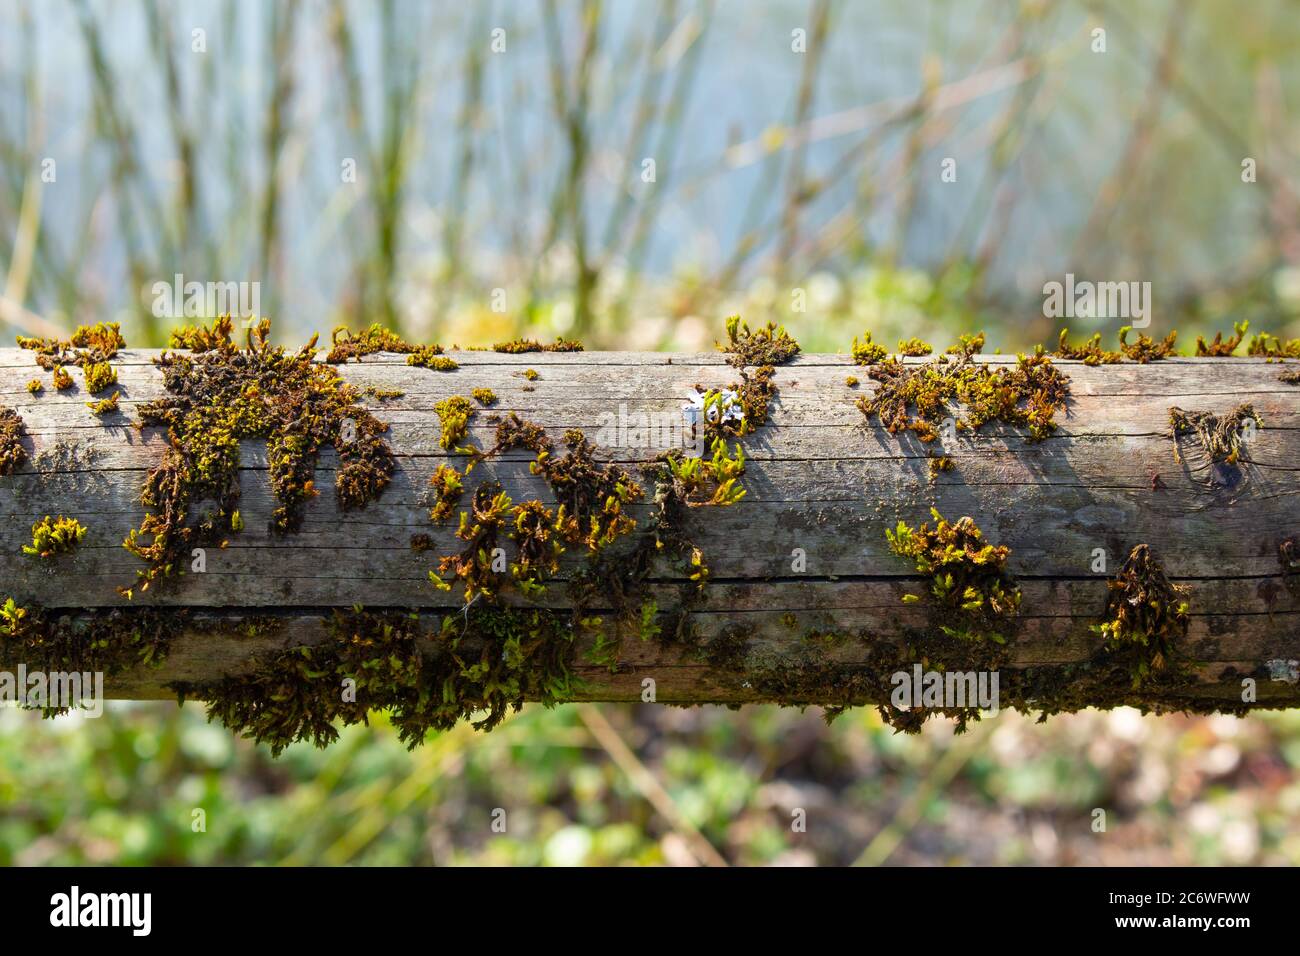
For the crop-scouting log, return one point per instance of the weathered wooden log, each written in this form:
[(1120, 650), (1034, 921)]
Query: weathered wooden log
[(805, 594)]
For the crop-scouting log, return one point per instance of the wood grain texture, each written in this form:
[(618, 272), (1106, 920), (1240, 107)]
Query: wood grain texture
[(819, 478)]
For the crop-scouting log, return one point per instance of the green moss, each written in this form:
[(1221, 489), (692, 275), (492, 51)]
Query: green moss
[(484, 660), (914, 347), (107, 640), (968, 583), (12, 453), (708, 481), (89, 344), (769, 345), (917, 398), (201, 338), (99, 376), (446, 481), (346, 344), (1270, 346), (484, 396), (1219, 437), (223, 395), (967, 345), (91, 347), (938, 464), (1090, 352), (1146, 349), (54, 536), (454, 414), (520, 346), (382, 394), (868, 352), (428, 357), (1220, 348), (260, 626), (1146, 616), (105, 406)]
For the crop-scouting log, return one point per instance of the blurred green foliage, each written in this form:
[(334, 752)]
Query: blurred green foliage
[(125, 788)]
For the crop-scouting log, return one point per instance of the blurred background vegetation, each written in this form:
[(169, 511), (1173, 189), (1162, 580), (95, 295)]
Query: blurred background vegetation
[(214, 138)]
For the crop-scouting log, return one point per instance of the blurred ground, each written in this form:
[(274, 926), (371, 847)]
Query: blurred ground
[(124, 789)]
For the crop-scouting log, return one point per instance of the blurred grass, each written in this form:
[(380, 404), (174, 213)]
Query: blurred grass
[(123, 789)]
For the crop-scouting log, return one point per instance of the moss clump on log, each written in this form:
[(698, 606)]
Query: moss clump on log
[(12, 453), (1220, 347), (105, 406), (54, 536), (429, 356), (1220, 438), (1146, 616), (454, 413), (346, 344), (917, 398), (225, 394), (521, 346), (446, 483), (88, 345), (1090, 352), (485, 660), (108, 640), (976, 599), (1146, 349)]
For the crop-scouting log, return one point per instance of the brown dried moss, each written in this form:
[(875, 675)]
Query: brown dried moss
[(12, 453), (1220, 438)]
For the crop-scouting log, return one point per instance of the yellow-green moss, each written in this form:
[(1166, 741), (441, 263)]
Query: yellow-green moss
[(345, 344), (107, 641), (35, 386), (54, 536), (967, 578), (709, 481), (1090, 352), (62, 380), (105, 406), (224, 394), (917, 398), (429, 356), (485, 397), (1270, 346), (446, 481), (1146, 616), (88, 344), (1219, 348), (520, 346), (454, 413), (99, 376), (1146, 349), (483, 660), (867, 352)]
